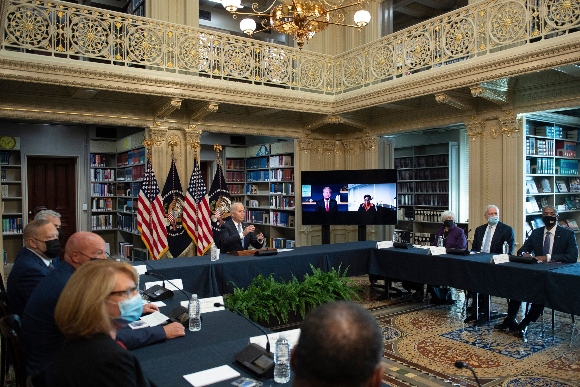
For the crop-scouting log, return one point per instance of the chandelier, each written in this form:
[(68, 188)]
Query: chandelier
[(300, 19)]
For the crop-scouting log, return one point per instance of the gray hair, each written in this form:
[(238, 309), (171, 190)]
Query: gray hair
[(46, 213), (491, 206), (447, 214)]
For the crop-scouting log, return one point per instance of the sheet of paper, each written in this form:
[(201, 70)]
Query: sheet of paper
[(500, 258), (158, 304), (384, 244), (292, 336), (213, 375), (207, 304), (282, 250), (437, 250), (154, 319), (140, 269), (173, 284)]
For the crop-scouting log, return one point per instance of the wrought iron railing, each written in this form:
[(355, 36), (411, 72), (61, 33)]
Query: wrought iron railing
[(70, 31)]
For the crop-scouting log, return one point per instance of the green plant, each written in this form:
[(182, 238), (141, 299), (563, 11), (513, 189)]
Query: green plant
[(267, 298)]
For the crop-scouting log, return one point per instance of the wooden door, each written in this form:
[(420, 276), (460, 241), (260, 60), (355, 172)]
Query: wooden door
[(52, 186)]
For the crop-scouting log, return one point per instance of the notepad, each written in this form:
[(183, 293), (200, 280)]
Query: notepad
[(211, 376)]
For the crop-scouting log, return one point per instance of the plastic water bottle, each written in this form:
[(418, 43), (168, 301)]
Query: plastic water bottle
[(395, 237), (440, 242), (505, 249), (194, 314), (282, 359), (215, 252)]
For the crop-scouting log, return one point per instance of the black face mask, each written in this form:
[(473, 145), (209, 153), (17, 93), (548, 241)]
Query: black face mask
[(52, 248), (549, 221), (448, 223)]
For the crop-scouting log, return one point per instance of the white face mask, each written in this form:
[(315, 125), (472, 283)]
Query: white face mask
[(493, 220)]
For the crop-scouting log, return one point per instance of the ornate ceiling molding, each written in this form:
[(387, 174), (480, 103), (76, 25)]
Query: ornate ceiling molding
[(165, 108), (496, 91), (456, 101)]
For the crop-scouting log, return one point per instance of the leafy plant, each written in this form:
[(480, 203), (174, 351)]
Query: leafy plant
[(267, 298)]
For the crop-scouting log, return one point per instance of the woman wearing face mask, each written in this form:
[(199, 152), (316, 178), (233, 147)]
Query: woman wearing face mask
[(453, 236), (100, 297)]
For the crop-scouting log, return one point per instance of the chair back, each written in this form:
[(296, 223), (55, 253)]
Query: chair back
[(2, 287), (10, 329)]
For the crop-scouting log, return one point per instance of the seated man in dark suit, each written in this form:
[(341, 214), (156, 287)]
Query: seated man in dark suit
[(33, 262), (551, 243), (489, 238), (41, 338), (340, 345), (326, 203), (234, 235)]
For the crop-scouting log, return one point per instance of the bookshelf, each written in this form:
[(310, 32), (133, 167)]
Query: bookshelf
[(427, 183), (117, 169), (262, 178), (551, 169), (11, 194)]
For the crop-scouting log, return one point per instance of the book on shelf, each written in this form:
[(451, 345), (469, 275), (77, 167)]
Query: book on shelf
[(533, 204), (546, 187), (531, 187), (572, 224), (561, 186), (563, 223), (574, 184), (537, 222)]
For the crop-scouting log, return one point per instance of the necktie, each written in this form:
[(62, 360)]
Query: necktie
[(240, 231), (487, 241), (547, 243), (326, 201), (50, 266)]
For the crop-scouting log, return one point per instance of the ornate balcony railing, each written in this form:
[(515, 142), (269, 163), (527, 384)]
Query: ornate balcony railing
[(69, 31)]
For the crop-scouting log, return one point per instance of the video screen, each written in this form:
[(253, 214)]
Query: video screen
[(357, 197)]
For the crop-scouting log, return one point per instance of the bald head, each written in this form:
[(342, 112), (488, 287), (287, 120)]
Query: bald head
[(340, 344), (82, 246)]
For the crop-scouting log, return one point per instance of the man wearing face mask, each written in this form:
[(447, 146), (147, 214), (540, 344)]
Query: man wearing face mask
[(551, 243), (54, 218), (42, 339), (33, 262), (489, 238)]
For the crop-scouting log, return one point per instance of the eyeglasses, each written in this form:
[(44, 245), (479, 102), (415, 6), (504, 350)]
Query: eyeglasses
[(107, 256), (129, 292)]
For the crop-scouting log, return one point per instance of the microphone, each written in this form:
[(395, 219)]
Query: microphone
[(461, 364), (217, 305), (405, 235)]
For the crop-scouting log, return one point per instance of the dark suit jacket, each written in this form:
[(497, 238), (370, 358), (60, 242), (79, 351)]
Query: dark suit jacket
[(564, 248), (229, 238), (502, 233), (28, 270), (107, 363), (41, 338), (332, 205)]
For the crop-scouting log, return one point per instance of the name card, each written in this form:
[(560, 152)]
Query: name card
[(384, 244), (140, 269), (500, 258), (207, 304), (435, 250)]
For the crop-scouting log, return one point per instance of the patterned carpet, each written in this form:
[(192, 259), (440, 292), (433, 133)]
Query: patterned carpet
[(423, 341)]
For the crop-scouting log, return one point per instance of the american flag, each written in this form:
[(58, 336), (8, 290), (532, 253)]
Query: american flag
[(150, 214), (196, 213)]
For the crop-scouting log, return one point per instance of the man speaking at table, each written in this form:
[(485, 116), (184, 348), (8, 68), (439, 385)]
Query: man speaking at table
[(551, 243), (234, 236)]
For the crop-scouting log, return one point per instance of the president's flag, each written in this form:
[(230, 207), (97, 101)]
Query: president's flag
[(173, 202)]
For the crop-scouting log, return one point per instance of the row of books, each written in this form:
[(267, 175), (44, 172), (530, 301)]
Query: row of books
[(432, 174), (431, 161), (282, 243), (405, 175), (432, 200), (102, 222), (405, 200), (428, 215), (432, 186), (257, 163), (5, 192), (540, 166), (237, 164), (552, 131), (273, 218), (102, 204), (236, 189), (280, 161), (566, 149), (2, 175), (540, 147), (257, 176), (235, 176), (102, 189), (286, 174), (4, 158), (405, 187), (99, 174), (11, 225), (132, 157), (127, 205), (544, 186), (404, 162), (282, 188), (125, 250), (136, 172), (127, 223), (572, 202), (99, 160), (282, 202), (537, 222), (129, 189), (566, 167)]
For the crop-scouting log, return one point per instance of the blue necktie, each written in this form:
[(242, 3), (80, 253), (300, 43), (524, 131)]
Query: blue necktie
[(487, 240), (547, 243), (240, 231)]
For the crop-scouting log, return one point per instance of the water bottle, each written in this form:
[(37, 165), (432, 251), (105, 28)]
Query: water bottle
[(440, 242), (395, 237), (194, 314), (505, 249), (215, 252), (282, 359)]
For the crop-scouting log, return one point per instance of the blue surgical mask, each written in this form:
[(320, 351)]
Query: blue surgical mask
[(493, 220), (131, 310)]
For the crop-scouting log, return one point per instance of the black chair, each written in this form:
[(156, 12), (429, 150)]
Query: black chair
[(2, 287), (3, 349), (10, 329)]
